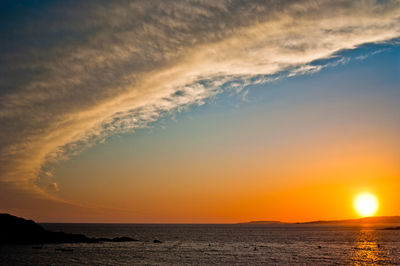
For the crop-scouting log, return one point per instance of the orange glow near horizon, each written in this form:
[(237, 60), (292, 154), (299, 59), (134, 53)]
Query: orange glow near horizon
[(199, 187)]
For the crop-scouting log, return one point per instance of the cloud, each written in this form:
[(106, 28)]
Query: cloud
[(81, 74), (53, 187)]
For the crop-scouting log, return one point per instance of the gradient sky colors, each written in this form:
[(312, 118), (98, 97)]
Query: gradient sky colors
[(198, 111)]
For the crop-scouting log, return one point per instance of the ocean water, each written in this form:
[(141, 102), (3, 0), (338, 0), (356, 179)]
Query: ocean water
[(215, 244)]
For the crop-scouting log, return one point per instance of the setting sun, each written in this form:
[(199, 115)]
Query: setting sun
[(366, 204)]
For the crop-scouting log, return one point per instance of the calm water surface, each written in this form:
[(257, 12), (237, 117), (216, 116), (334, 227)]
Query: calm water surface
[(215, 244)]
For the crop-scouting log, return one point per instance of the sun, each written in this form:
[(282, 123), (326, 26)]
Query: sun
[(366, 204)]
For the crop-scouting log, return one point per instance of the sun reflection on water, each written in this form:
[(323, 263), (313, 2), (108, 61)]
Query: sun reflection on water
[(367, 250)]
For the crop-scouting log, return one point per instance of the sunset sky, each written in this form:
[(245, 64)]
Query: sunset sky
[(198, 111)]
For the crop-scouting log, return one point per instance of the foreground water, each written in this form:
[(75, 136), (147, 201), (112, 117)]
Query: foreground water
[(214, 244)]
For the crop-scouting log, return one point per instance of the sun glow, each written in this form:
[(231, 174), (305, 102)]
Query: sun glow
[(366, 204)]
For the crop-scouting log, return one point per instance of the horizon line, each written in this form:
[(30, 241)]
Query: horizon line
[(251, 222)]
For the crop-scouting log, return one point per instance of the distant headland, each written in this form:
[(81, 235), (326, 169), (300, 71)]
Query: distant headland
[(16, 230), (378, 220)]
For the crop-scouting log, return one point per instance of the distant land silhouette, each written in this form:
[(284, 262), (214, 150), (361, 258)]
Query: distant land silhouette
[(16, 230), (378, 220)]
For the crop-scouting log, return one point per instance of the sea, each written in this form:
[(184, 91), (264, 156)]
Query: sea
[(240, 244)]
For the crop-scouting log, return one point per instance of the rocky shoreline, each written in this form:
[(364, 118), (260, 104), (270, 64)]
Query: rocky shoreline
[(18, 231)]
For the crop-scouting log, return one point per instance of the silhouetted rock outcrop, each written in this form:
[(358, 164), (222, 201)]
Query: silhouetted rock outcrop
[(392, 228), (15, 230), (378, 221)]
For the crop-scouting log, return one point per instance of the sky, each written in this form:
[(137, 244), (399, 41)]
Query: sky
[(198, 111)]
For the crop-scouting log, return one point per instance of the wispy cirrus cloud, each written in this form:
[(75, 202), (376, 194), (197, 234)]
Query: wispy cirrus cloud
[(87, 71)]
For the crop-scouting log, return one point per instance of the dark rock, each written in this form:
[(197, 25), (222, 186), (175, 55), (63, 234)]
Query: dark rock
[(157, 241), (392, 228), (103, 239), (15, 230)]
